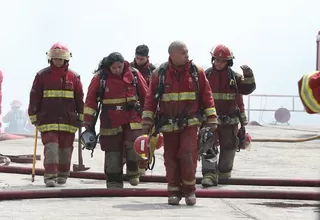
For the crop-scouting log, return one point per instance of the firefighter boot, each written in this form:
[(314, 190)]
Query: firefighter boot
[(132, 164), (174, 200), (50, 182), (209, 170), (174, 192), (114, 185), (209, 179), (190, 199), (113, 169), (61, 180)]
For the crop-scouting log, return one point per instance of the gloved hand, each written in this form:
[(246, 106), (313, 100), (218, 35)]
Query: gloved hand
[(87, 126), (146, 128), (247, 71), (212, 126)]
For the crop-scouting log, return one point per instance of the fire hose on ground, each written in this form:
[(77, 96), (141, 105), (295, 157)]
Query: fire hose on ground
[(141, 192), (201, 193), (162, 179), (286, 140), (281, 140)]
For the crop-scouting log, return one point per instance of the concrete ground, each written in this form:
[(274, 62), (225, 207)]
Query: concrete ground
[(270, 160)]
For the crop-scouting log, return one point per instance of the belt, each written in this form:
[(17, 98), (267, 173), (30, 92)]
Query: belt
[(114, 107)]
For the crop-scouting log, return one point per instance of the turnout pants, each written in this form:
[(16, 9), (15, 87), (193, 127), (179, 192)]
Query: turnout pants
[(180, 160), (113, 146), (58, 148)]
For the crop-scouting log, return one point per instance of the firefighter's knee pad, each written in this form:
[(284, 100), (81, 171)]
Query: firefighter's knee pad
[(226, 160), (51, 153)]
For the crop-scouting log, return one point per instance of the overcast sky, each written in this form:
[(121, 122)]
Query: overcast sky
[(275, 38)]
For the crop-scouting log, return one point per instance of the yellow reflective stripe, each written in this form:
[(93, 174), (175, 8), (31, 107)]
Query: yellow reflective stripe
[(110, 131), (224, 96), (57, 127), (135, 126), (212, 120), (307, 94), (248, 80), (147, 114), (244, 117), (210, 111), (118, 101), (58, 94), (33, 118), (89, 111), (81, 117), (192, 182), (175, 127), (183, 96), (173, 188)]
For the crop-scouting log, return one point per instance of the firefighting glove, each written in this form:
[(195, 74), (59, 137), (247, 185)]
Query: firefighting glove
[(212, 126), (247, 71), (146, 128)]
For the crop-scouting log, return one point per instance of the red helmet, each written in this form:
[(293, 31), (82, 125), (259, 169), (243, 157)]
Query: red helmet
[(141, 146), (222, 52), (59, 51), (16, 103), (160, 141)]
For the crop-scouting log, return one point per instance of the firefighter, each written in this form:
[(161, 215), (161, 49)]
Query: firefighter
[(179, 88), (16, 118), (1, 80), (309, 87), (227, 90), (122, 101), (56, 108), (141, 62)]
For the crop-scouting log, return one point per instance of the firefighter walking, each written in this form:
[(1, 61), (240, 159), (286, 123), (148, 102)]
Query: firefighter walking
[(177, 91), (122, 98), (227, 90), (56, 108)]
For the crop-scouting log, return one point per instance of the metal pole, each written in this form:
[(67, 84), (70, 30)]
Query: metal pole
[(318, 52)]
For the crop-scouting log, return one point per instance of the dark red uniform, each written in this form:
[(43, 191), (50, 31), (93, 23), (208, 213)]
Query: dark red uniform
[(56, 107), (119, 125), (146, 70), (179, 102), (227, 90)]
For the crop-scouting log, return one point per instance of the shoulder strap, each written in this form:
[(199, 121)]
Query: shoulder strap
[(195, 76), (102, 87), (135, 81), (162, 74), (208, 72), (103, 79), (233, 79)]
